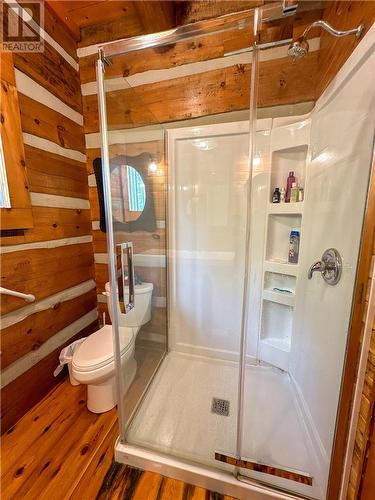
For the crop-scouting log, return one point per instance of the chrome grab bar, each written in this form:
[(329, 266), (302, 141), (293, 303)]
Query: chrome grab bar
[(26, 296), (128, 273)]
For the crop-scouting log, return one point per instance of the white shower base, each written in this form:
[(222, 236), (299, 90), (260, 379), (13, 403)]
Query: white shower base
[(175, 419)]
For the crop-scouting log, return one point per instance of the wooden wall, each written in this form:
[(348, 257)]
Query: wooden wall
[(333, 51), (54, 260), (361, 473)]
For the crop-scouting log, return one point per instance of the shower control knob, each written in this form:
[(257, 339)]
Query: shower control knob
[(330, 267)]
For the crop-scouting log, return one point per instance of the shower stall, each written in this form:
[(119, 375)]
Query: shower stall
[(239, 370)]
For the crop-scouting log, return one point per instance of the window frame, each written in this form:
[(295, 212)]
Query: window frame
[(19, 215)]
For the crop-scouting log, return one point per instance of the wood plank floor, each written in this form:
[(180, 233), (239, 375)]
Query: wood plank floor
[(58, 446), (123, 482), (60, 450)]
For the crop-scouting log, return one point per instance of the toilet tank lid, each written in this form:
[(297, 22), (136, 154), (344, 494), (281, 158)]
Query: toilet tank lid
[(142, 288)]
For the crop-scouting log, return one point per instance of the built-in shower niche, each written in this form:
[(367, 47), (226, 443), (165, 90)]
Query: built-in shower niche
[(278, 235), (279, 288), (276, 333), (292, 159)]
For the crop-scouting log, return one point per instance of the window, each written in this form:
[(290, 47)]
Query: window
[(4, 190), (136, 190), (15, 203)]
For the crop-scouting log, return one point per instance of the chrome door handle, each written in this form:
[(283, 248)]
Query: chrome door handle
[(128, 277), (330, 267)]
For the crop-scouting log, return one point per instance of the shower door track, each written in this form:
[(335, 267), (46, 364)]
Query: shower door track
[(204, 476)]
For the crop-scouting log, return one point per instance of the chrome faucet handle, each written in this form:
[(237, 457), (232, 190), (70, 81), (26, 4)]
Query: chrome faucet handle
[(318, 266), (330, 267)]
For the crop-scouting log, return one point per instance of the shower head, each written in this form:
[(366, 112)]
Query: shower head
[(300, 47)]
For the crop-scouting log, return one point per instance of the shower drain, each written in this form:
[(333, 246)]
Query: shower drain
[(220, 407)]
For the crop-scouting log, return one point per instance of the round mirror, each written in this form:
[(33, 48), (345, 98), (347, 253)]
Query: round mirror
[(128, 193)]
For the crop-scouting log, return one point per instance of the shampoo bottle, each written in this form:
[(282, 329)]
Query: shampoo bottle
[(289, 183), (276, 196), (293, 247), (294, 193)]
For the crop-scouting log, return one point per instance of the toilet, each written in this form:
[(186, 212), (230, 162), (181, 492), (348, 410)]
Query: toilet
[(93, 362)]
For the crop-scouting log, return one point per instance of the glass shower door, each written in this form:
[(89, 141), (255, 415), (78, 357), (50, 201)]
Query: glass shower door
[(131, 237), (191, 409), (312, 182)]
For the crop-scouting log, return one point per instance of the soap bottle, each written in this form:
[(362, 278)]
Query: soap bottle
[(300, 194), (289, 183), (293, 247), (276, 196), (294, 193), (282, 195)]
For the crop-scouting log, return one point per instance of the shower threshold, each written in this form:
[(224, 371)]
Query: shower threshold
[(204, 477)]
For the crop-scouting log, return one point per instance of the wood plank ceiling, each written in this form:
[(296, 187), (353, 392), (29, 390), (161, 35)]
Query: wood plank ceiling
[(119, 19)]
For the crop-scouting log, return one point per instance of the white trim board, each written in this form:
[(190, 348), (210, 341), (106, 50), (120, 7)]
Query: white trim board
[(62, 242), (47, 303), (46, 37), (92, 180), (30, 359), (101, 258), (52, 147), (53, 200), (30, 88)]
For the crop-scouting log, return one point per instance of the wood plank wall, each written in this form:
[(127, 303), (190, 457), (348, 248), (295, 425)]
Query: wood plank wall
[(333, 51), (364, 433), (54, 260)]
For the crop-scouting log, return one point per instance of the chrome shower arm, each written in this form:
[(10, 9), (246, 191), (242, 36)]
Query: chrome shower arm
[(338, 33)]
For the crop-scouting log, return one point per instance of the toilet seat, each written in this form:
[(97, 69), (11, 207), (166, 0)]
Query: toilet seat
[(96, 351)]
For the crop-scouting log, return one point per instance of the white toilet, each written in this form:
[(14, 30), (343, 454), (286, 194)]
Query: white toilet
[(93, 362)]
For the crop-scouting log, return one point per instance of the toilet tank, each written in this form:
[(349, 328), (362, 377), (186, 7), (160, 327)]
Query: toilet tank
[(141, 313)]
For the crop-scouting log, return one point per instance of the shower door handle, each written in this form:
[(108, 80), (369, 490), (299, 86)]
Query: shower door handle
[(128, 278), (330, 267)]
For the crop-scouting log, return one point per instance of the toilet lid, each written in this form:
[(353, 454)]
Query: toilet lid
[(97, 350)]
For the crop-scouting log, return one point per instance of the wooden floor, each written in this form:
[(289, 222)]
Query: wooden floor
[(60, 450), (123, 482)]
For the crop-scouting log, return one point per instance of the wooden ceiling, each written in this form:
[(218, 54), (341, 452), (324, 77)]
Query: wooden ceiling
[(136, 17)]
